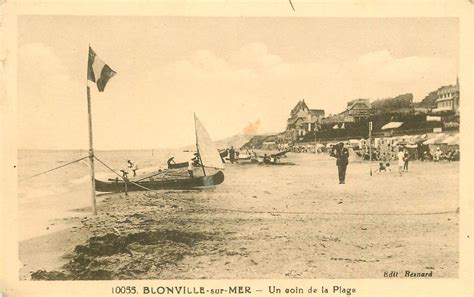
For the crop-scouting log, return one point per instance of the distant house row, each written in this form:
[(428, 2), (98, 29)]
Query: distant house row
[(305, 123)]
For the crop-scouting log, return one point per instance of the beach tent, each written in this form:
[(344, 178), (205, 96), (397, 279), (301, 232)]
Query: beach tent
[(452, 139), (394, 140), (352, 154), (407, 138), (353, 141), (412, 150), (419, 138), (436, 142), (436, 139), (377, 142), (452, 142)]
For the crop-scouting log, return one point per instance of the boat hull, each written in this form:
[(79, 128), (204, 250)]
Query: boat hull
[(179, 184)]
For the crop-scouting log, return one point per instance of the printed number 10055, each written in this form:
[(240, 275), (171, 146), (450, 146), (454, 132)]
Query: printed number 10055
[(124, 290)]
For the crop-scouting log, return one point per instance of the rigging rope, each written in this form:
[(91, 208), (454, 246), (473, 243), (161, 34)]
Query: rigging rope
[(126, 181), (64, 165)]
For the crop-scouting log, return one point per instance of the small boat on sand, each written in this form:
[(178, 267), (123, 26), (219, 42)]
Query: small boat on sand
[(210, 164), (169, 183)]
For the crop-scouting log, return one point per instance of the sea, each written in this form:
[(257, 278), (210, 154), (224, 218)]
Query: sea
[(61, 193)]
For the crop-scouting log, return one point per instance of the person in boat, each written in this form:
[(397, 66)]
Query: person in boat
[(232, 155), (191, 167), (171, 161), (132, 166), (196, 159), (124, 174)]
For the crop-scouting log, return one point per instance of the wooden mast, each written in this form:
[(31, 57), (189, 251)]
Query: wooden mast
[(91, 151), (197, 146)]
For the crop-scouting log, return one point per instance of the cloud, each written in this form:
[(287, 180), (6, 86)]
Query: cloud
[(51, 111), (225, 90), (254, 82), (255, 55), (383, 67)]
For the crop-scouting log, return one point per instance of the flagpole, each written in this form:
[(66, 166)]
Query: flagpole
[(91, 151)]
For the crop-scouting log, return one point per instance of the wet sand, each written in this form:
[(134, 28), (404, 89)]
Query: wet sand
[(266, 222)]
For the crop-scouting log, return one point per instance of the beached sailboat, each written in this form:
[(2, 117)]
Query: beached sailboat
[(265, 159), (209, 159)]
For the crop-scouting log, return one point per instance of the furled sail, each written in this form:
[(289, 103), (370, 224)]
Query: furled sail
[(207, 149)]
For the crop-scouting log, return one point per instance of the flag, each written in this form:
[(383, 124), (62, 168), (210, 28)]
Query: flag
[(98, 71)]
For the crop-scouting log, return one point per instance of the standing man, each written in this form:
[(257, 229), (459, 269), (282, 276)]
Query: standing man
[(232, 155), (342, 160), (406, 158)]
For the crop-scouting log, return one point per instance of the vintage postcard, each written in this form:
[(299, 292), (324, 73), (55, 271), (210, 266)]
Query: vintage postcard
[(228, 148)]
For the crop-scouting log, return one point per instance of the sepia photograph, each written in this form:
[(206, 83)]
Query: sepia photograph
[(207, 147)]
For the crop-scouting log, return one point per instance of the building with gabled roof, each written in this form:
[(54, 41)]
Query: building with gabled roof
[(356, 110), (448, 99), (303, 120)]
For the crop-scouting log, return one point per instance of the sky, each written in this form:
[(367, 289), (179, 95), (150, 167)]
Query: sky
[(238, 74)]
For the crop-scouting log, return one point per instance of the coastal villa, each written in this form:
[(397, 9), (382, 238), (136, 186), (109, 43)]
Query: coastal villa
[(448, 100), (356, 110), (303, 120), (359, 109)]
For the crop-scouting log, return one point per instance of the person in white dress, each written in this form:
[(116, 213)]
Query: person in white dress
[(401, 162)]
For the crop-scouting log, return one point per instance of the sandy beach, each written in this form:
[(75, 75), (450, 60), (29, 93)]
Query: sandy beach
[(264, 222)]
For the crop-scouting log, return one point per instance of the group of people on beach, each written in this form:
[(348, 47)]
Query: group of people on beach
[(191, 164), (403, 158), (338, 151), (341, 153), (234, 155)]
